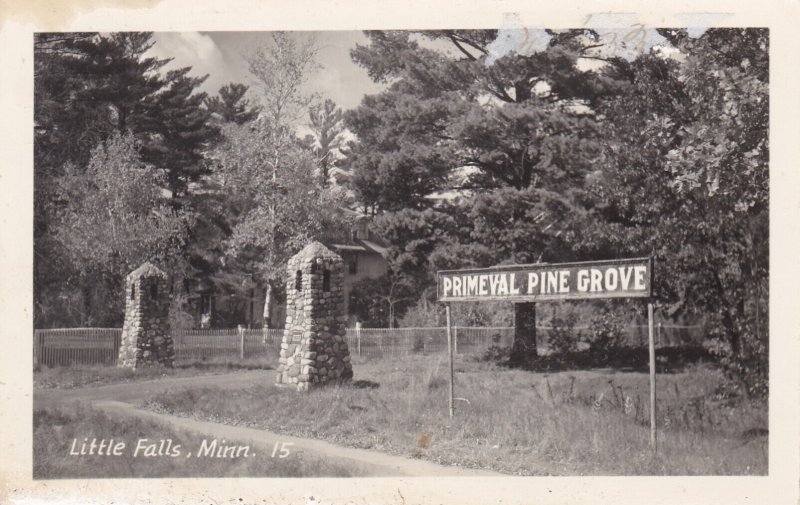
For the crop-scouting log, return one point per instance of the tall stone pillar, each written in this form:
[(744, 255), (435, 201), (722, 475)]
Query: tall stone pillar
[(314, 350), (524, 346), (146, 339)]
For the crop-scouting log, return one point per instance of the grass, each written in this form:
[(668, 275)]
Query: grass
[(55, 430), (67, 377), (512, 421)]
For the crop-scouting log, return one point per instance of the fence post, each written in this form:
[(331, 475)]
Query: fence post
[(358, 336), (37, 348), (455, 340), (241, 341), (658, 338), (115, 347)]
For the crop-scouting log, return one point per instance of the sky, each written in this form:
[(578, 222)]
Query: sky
[(222, 55)]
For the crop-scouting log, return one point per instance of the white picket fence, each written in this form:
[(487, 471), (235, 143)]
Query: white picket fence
[(60, 347)]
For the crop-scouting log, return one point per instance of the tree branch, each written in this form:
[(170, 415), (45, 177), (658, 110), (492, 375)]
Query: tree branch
[(461, 48)]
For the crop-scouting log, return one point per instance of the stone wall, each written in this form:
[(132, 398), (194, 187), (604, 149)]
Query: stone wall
[(314, 350), (146, 339)]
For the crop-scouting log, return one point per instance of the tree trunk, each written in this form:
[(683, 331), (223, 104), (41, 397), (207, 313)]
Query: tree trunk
[(524, 347), (268, 306), (86, 305)]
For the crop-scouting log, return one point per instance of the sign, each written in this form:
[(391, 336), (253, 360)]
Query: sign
[(629, 278)]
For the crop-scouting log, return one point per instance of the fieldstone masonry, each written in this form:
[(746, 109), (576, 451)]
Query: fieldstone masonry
[(314, 350), (146, 340)]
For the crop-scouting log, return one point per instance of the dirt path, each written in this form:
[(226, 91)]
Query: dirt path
[(118, 400), (367, 463)]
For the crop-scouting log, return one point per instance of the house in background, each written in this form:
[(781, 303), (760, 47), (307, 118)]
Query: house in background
[(225, 302), (364, 255)]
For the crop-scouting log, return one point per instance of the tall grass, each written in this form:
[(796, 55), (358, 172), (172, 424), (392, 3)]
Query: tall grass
[(516, 422), (74, 376)]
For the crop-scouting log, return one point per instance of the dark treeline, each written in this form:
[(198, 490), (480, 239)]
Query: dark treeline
[(466, 159)]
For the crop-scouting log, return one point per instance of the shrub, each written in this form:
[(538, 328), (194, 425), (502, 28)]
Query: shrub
[(496, 352), (606, 332), (180, 318), (747, 371), (423, 314), (562, 337)]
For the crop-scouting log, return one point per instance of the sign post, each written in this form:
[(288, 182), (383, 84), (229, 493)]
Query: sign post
[(653, 442), (450, 357)]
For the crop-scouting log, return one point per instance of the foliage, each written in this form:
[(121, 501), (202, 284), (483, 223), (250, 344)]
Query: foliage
[(90, 85), (453, 120), (493, 314), (476, 159), (266, 174), (231, 104), (474, 162), (685, 179), (272, 213), (88, 88), (607, 332), (180, 317), (496, 353), (379, 302), (562, 337), (327, 128), (423, 314), (115, 217)]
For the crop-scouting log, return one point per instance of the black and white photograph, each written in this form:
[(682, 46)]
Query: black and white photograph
[(458, 253)]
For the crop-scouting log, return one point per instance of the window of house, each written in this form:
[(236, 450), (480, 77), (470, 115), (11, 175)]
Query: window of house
[(326, 280), (133, 291), (298, 280), (154, 291), (352, 266)]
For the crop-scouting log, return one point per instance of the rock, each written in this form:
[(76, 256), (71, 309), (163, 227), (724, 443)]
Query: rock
[(317, 315)]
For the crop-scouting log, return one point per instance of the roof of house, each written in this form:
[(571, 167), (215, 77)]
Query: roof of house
[(373, 245), (346, 240)]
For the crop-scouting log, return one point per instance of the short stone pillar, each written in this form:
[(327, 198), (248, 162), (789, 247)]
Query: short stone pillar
[(314, 350), (146, 340)]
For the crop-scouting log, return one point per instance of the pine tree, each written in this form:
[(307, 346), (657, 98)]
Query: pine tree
[(231, 105)]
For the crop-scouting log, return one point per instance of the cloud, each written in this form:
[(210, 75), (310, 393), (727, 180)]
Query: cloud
[(196, 50), (222, 56)]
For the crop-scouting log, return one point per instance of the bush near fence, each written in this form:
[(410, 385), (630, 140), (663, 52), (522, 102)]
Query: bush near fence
[(62, 347)]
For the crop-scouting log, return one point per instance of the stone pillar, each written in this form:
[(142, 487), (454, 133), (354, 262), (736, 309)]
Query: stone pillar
[(314, 350), (146, 339), (524, 346)]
